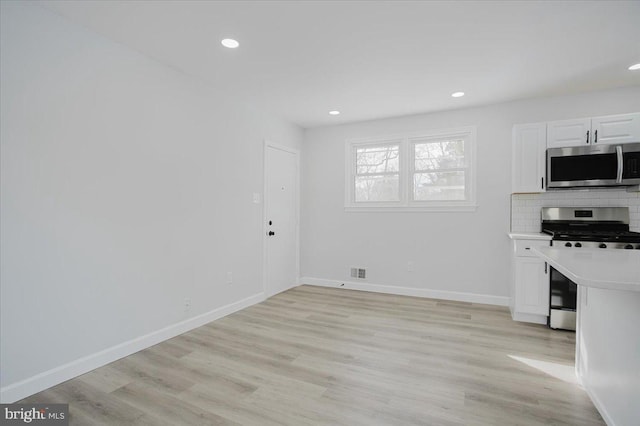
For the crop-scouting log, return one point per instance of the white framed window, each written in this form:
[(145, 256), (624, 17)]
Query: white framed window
[(425, 171), (377, 172)]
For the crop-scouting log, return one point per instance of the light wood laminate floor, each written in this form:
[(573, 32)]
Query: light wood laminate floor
[(314, 355)]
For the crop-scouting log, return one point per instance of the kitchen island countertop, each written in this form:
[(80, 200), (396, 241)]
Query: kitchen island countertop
[(600, 268)]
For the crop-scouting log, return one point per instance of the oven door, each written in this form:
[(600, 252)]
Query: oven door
[(562, 303)]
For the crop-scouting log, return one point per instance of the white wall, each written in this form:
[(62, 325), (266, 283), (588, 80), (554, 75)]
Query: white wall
[(453, 252), (126, 188)]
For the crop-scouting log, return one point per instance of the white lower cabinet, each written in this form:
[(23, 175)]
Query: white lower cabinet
[(530, 283), (532, 295)]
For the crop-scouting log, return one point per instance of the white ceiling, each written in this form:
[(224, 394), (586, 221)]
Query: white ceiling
[(378, 59)]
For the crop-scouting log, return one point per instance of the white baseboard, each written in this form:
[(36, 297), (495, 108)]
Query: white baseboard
[(409, 291), (598, 404), (533, 318), (45, 380)]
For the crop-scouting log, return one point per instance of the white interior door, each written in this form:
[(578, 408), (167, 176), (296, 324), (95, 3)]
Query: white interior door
[(281, 219)]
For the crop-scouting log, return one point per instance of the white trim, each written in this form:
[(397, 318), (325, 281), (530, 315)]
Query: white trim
[(417, 209), (269, 144), (57, 375), (409, 291), (597, 403), (533, 318)]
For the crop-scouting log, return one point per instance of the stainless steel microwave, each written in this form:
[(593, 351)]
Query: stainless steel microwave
[(595, 165)]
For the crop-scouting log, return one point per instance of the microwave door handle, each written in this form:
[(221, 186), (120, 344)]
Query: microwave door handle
[(620, 164)]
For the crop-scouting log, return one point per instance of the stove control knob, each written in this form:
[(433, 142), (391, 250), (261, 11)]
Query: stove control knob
[(628, 247), (602, 245), (578, 244), (567, 244)]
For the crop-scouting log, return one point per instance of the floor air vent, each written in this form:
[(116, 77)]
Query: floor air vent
[(358, 273)]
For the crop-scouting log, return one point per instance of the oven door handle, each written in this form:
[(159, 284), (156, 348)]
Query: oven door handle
[(620, 164)]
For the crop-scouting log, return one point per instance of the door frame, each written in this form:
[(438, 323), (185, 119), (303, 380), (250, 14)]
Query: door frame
[(267, 145)]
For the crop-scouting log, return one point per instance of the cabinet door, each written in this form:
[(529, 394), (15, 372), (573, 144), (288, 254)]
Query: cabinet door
[(612, 129), (532, 286), (528, 160), (569, 133)]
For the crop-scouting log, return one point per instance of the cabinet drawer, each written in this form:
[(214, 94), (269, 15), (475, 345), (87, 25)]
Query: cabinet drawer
[(523, 247)]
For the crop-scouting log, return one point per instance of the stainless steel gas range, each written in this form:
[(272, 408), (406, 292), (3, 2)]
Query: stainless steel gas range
[(585, 228)]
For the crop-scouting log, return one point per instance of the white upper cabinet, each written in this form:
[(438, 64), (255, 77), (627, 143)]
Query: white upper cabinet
[(530, 142), (613, 129), (567, 133), (528, 162)]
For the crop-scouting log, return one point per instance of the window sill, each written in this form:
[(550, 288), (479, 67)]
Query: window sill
[(416, 209)]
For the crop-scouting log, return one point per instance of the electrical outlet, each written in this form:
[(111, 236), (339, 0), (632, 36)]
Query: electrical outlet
[(410, 266), (229, 277), (187, 304)]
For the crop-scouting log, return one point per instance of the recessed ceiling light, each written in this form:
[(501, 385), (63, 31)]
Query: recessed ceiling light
[(334, 112), (457, 94), (230, 43), (634, 67)]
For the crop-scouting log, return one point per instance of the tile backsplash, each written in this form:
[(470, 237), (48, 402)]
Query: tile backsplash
[(525, 208)]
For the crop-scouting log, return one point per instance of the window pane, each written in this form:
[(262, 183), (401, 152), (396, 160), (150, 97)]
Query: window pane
[(445, 154), (378, 159), (377, 188), (438, 186)]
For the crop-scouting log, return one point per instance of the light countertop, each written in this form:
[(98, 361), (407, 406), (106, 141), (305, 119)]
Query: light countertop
[(607, 269), (529, 236)]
